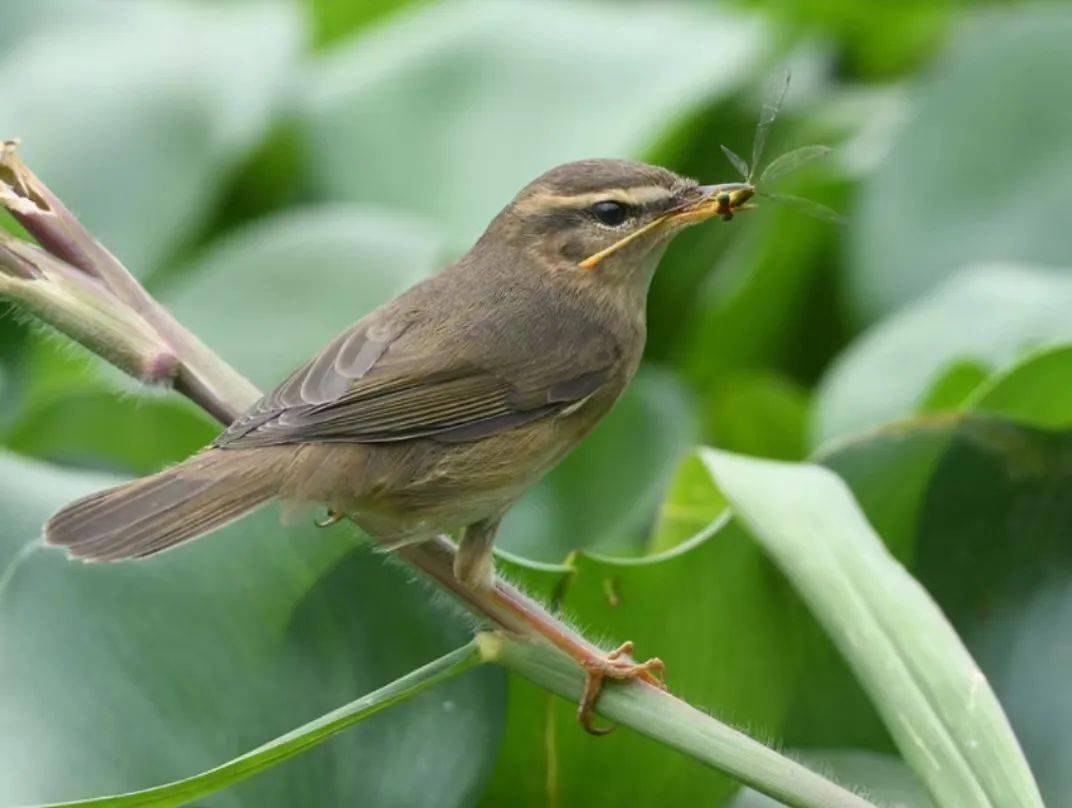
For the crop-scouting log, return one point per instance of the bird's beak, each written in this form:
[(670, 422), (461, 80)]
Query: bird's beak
[(714, 200), (709, 201)]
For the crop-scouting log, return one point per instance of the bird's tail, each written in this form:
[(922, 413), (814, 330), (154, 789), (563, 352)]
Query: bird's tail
[(154, 513)]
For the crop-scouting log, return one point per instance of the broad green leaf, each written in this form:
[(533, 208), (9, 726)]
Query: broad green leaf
[(271, 295), (989, 315), (135, 434), (974, 506), (135, 674), (980, 172), (134, 122), (725, 624), (450, 109), (1036, 391), (935, 701)]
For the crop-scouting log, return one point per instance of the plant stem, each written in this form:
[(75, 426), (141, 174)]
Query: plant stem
[(664, 718), (181, 792)]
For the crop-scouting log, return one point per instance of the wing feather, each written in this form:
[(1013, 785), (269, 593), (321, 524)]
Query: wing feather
[(374, 383)]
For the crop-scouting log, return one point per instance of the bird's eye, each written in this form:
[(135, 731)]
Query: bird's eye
[(610, 213)]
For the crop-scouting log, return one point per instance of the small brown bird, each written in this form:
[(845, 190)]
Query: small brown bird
[(439, 409)]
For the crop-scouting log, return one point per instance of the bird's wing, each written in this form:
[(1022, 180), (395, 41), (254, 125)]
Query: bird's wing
[(389, 379)]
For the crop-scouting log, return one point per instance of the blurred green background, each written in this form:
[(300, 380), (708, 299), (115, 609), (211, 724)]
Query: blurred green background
[(272, 171)]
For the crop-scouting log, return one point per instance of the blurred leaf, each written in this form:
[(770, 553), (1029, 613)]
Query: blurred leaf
[(948, 724), (953, 385), (129, 675), (334, 20), (1000, 192), (134, 121), (29, 493), (725, 624), (1037, 391), (98, 429), (605, 494), (451, 109), (757, 413), (987, 315), (272, 294)]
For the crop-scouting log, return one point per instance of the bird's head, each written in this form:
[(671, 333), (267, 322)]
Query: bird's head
[(607, 220)]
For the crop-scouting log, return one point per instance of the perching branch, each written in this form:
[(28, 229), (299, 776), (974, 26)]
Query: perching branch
[(74, 284)]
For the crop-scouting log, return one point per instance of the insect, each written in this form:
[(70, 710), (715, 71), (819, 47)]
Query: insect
[(778, 167)]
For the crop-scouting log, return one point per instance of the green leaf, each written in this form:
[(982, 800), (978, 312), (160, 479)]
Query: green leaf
[(30, 492), (131, 675), (988, 315), (975, 506), (134, 120), (462, 104), (1036, 391), (954, 385), (1000, 193), (272, 294), (135, 434), (936, 702)]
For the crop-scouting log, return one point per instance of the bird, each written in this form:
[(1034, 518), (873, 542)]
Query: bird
[(439, 409)]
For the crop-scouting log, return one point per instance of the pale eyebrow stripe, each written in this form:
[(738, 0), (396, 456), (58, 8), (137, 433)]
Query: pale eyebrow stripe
[(636, 196)]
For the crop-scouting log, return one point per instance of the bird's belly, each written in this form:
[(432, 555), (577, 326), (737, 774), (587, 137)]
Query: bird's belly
[(400, 491)]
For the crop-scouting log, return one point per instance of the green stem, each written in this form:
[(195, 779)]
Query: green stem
[(298, 740), (665, 718)]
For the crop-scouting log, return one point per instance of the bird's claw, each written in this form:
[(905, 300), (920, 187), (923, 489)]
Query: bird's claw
[(613, 666), (329, 520)]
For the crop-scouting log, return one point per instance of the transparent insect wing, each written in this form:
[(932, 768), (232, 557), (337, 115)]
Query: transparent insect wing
[(791, 161), (816, 210), (771, 107), (738, 162)]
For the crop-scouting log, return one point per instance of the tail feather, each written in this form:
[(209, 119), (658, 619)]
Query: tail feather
[(152, 514)]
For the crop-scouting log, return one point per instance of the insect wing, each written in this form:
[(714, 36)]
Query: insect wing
[(791, 161), (737, 161), (771, 107), (816, 210)]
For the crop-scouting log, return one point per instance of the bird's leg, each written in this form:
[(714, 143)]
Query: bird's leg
[(473, 563), (516, 612), (598, 665)]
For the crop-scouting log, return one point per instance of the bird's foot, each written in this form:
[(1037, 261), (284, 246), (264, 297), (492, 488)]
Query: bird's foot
[(619, 666), (329, 520)]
